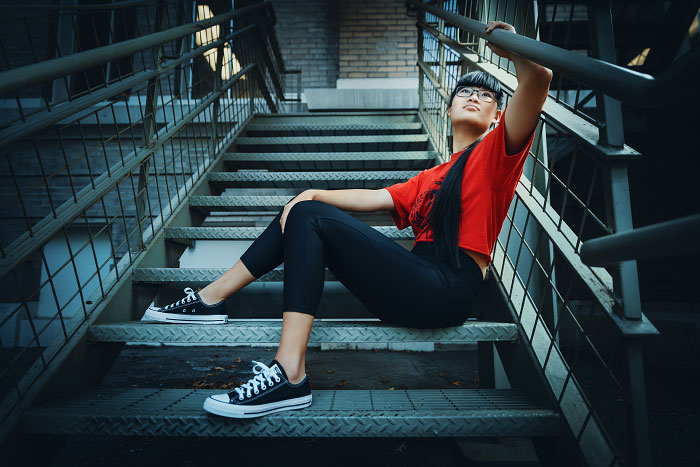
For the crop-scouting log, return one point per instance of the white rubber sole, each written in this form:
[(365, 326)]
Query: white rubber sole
[(159, 316), (237, 411)]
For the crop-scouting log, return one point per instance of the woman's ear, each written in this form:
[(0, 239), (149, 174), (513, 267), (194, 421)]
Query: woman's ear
[(497, 116)]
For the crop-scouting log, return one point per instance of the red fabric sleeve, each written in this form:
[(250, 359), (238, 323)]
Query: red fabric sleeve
[(501, 168), (404, 194)]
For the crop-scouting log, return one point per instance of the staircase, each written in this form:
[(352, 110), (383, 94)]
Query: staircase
[(274, 158), (119, 197)]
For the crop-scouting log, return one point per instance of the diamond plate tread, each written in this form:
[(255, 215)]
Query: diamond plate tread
[(246, 203), (329, 156), (351, 139), (323, 332), (356, 175), (186, 234), (199, 275), (334, 126), (273, 203), (333, 413)]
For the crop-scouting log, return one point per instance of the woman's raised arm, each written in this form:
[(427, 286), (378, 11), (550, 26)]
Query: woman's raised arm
[(529, 97)]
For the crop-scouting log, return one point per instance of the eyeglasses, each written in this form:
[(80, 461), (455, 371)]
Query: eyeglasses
[(486, 96)]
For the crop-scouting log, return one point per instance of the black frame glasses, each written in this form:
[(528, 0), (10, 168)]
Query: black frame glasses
[(482, 94)]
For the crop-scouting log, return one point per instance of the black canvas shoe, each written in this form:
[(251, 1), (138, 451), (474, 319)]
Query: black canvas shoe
[(188, 310), (268, 392)]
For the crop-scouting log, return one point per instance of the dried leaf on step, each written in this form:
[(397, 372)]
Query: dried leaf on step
[(400, 449)]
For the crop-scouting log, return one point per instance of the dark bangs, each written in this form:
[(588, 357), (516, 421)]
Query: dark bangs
[(480, 79)]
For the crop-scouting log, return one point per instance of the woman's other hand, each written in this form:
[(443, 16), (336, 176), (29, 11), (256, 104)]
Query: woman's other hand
[(303, 196), (498, 50)]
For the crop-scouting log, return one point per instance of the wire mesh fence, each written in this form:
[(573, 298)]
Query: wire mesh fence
[(566, 310), (99, 152)]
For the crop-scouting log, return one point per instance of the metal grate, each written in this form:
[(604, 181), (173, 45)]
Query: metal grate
[(105, 142), (352, 413), (574, 187)]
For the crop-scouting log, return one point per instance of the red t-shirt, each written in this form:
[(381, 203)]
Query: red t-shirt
[(488, 185)]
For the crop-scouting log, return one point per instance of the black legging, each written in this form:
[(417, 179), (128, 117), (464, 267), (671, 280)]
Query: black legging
[(401, 287)]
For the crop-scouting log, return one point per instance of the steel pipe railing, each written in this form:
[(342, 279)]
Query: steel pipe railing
[(571, 190), (115, 163), (626, 85), (676, 237), (22, 78)]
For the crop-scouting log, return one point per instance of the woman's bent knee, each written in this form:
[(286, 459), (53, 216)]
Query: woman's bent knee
[(308, 210), (305, 208)]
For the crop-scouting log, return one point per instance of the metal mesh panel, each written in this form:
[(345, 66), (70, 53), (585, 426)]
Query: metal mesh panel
[(100, 151), (568, 311)]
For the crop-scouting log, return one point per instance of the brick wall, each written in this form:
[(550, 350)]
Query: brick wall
[(377, 39), (307, 31)]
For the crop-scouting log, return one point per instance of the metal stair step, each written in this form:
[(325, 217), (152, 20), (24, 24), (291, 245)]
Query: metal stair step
[(239, 203), (251, 203), (332, 143), (340, 118), (333, 413), (196, 276), (335, 129), (186, 235), (332, 160), (322, 180), (268, 332)]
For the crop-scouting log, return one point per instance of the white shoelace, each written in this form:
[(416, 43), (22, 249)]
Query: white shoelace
[(264, 374), (187, 299)]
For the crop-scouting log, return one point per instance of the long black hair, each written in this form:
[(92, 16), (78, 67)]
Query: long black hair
[(447, 208)]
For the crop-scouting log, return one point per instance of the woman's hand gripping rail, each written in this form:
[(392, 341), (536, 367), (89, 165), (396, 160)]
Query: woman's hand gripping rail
[(357, 200)]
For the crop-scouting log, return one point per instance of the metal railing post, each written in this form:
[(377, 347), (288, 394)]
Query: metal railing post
[(619, 211), (441, 81), (420, 18), (251, 92), (149, 131), (217, 90)]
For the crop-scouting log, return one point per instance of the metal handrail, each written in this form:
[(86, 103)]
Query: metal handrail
[(147, 193), (30, 75), (45, 118), (652, 241), (556, 114), (25, 246), (106, 6), (618, 82), (536, 263)]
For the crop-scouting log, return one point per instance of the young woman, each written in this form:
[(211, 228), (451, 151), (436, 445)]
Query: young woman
[(455, 209)]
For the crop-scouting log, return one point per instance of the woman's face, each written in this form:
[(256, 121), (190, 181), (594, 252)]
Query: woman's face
[(473, 111)]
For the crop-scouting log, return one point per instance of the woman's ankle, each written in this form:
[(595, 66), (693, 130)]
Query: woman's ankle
[(208, 296), (295, 372)]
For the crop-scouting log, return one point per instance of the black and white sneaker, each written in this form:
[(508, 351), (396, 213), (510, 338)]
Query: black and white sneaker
[(275, 393), (188, 310)]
